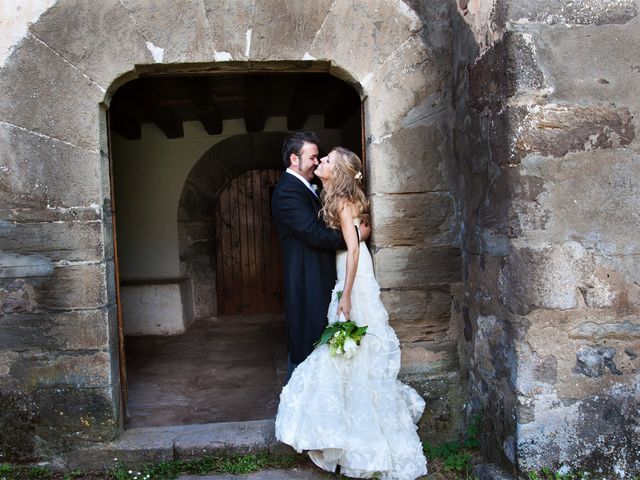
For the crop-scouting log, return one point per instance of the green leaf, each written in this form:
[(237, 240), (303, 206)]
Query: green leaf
[(349, 327), (360, 331), (327, 334), (339, 294)]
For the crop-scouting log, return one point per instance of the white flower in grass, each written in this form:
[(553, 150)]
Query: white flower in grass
[(350, 347)]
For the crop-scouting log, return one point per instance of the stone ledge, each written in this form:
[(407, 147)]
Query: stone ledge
[(139, 446)]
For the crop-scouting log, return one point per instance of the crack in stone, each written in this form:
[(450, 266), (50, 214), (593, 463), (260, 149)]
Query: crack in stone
[(48, 136), (102, 89), (429, 115), (381, 64), (313, 42)]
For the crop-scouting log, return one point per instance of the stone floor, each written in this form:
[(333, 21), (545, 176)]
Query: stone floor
[(225, 369)]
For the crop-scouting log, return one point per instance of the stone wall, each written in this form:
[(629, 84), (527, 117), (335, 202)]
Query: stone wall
[(59, 378), (547, 98)]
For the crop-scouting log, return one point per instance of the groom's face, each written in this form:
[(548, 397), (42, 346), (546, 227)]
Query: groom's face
[(306, 161)]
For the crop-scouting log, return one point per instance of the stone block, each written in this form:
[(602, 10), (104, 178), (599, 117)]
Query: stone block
[(412, 160), (592, 361), (135, 447), (418, 315), (412, 219), (544, 277), (55, 288), (554, 131), (586, 66), (44, 172), (581, 12), (429, 358), (411, 267), (240, 437), (601, 215), (359, 36), (180, 29), (626, 329), (409, 88), (231, 24), (58, 368), (98, 38), (68, 241), (589, 350), (154, 308), (592, 434), (490, 471), (68, 416), (17, 415), (284, 30), (73, 330), (494, 353), (508, 68), (45, 94), (445, 396)]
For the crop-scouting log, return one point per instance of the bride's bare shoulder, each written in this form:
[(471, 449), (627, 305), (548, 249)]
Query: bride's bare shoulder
[(347, 207)]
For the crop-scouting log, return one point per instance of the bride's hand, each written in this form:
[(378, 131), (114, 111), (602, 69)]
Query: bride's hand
[(344, 306)]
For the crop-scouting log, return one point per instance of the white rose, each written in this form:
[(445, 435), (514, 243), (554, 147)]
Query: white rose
[(350, 347)]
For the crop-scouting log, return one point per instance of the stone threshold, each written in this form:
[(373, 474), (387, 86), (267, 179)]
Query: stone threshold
[(139, 446)]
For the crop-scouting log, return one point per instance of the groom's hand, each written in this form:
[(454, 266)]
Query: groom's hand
[(365, 231)]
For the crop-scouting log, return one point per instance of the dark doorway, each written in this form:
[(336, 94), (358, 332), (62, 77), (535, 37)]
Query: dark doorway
[(195, 160)]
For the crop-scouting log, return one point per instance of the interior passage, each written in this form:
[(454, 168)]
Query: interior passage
[(222, 369)]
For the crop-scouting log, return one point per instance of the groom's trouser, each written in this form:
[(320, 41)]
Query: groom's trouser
[(290, 367)]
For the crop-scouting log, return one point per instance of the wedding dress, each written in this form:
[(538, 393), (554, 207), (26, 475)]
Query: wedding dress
[(355, 412)]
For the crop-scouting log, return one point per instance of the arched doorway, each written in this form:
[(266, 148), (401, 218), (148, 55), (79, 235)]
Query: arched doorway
[(200, 260), (248, 256)]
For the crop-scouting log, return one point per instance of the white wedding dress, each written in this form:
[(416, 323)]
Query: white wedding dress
[(355, 412)]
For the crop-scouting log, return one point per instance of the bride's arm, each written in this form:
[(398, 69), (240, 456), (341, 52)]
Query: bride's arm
[(353, 252)]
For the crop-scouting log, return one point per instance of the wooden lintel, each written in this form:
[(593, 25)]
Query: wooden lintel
[(255, 108), (164, 117), (202, 98)]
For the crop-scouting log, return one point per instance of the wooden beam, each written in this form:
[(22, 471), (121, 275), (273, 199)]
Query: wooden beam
[(164, 117), (299, 106), (345, 105), (255, 107), (202, 97)]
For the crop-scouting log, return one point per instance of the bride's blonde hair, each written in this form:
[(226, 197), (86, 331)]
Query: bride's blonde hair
[(345, 185)]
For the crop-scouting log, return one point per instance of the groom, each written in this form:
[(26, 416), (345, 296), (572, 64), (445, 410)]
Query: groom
[(308, 246)]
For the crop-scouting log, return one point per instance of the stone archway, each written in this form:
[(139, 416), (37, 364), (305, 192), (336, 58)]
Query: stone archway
[(215, 169), (57, 83)]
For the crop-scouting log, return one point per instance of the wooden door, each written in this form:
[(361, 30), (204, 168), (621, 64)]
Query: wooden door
[(249, 261), (116, 267)]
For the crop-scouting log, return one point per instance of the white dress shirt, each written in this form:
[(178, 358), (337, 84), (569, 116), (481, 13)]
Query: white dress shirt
[(302, 179)]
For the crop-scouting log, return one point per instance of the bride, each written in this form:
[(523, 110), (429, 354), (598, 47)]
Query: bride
[(353, 412)]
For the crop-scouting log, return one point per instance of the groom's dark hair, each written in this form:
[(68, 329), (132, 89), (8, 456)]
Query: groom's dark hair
[(293, 144)]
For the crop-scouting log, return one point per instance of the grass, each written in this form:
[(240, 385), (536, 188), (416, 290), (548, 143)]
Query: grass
[(234, 464), (453, 460)]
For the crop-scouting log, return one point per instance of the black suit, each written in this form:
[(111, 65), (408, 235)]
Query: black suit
[(309, 251)]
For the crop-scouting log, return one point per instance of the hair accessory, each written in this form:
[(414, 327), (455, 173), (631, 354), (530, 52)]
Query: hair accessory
[(358, 176)]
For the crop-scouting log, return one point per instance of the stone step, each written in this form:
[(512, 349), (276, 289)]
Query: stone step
[(294, 474), (139, 446)]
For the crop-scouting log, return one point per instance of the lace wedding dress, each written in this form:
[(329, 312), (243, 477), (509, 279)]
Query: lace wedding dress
[(355, 412)]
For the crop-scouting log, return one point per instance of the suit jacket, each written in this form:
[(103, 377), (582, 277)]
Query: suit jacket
[(309, 251)]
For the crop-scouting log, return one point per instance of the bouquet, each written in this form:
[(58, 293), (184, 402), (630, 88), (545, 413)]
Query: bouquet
[(342, 337)]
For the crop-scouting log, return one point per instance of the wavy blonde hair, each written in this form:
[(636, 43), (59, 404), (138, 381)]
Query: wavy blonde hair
[(345, 185)]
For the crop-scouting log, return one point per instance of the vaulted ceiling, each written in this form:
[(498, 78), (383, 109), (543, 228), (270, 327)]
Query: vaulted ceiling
[(168, 101)]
